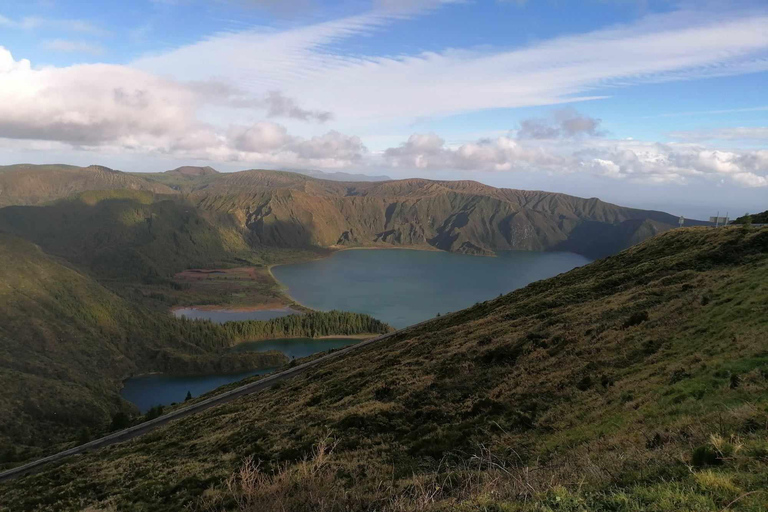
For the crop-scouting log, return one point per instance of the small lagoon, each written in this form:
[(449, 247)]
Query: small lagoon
[(147, 391)]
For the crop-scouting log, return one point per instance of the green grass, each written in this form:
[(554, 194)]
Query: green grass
[(67, 342), (548, 398)]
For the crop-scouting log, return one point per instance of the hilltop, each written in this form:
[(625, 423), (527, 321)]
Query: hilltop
[(26, 184), (637, 382), (286, 210)]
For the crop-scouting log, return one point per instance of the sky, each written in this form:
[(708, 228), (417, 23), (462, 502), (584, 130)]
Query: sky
[(647, 103)]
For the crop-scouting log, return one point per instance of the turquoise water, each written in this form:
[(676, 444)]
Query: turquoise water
[(227, 315), (150, 390), (403, 287)]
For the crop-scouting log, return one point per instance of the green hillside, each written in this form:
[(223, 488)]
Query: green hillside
[(290, 210), (757, 218), (638, 382), (132, 235), (66, 344), (213, 216), (37, 184)]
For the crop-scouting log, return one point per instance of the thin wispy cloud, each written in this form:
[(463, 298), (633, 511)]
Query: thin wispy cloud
[(711, 112), (300, 62), (750, 134)]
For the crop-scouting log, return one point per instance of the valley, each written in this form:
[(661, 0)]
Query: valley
[(128, 295), (637, 381)]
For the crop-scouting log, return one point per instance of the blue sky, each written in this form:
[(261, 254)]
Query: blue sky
[(657, 104)]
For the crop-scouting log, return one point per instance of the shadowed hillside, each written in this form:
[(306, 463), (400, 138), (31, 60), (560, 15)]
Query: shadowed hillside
[(131, 234), (66, 343), (638, 382)]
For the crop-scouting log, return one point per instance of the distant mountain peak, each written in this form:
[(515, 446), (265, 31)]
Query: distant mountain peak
[(338, 176), (190, 170)]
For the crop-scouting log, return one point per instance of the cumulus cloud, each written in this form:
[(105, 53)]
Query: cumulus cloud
[(565, 122), (274, 103), (108, 107), (271, 141), (428, 151), (279, 105), (90, 104), (641, 162)]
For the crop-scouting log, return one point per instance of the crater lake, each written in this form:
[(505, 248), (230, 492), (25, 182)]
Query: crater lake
[(403, 286)]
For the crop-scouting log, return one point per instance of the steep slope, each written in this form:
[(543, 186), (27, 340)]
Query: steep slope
[(638, 382), (130, 234), (34, 184), (757, 218), (463, 216), (289, 210), (66, 343)]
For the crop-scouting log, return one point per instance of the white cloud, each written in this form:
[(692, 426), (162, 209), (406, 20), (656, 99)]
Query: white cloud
[(305, 63), (106, 108), (636, 161), (563, 123), (428, 151), (69, 46)]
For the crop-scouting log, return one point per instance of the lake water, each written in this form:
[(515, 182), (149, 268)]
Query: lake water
[(150, 390), (228, 315), (403, 287)]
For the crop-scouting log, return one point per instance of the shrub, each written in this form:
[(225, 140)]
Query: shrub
[(636, 319), (705, 455), (584, 384), (120, 421)]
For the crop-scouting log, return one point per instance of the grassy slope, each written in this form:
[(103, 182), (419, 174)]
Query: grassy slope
[(234, 211), (66, 342), (27, 184), (129, 234), (757, 218), (606, 388)]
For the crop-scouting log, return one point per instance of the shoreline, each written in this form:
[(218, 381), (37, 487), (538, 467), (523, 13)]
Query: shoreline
[(236, 309)]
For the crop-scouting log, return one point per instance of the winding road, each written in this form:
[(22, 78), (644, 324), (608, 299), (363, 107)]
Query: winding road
[(228, 396)]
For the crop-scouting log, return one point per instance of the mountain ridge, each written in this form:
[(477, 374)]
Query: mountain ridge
[(289, 210)]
